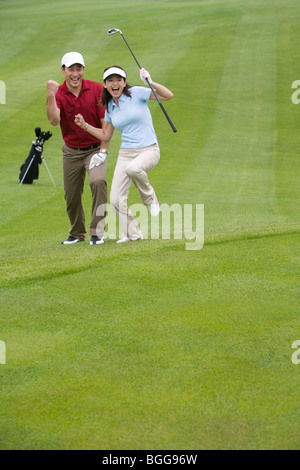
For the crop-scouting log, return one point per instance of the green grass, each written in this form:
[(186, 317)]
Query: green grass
[(150, 346)]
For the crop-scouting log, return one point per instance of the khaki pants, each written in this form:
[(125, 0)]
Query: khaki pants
[(133, 166), (75, 165)]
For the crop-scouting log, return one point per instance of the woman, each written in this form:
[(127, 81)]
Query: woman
[(127, 111)]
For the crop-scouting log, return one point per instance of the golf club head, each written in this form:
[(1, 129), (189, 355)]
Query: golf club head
[(46, 136), (37, 131), (112, 31)]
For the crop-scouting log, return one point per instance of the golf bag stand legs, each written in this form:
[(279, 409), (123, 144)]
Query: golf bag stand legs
[(43, 159)]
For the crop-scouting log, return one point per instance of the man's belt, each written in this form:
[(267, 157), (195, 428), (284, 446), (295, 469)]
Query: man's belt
[(85, 148)]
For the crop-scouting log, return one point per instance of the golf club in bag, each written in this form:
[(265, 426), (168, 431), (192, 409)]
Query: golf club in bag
[(112, 31), (30, 169)]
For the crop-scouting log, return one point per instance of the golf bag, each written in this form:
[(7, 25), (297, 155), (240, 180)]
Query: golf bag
[(29, 171)]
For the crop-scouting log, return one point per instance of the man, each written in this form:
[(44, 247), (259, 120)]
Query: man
[(82, 152)]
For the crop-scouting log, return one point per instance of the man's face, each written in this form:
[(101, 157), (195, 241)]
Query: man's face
[(73, 76)]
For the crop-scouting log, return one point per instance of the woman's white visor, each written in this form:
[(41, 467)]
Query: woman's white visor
[(114, 71)]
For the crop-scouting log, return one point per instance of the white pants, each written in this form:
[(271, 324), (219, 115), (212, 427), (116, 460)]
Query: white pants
[(132, 166)]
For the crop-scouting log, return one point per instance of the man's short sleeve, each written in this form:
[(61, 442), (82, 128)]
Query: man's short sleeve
[(101, 112)]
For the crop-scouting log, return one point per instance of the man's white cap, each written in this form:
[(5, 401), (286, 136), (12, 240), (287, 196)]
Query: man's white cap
[(72, 58), (114, 71)]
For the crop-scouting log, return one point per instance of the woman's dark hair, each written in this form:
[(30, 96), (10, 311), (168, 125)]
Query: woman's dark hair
[(106, 96)]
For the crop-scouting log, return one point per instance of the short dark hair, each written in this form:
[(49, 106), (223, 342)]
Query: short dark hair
[(63, 66)]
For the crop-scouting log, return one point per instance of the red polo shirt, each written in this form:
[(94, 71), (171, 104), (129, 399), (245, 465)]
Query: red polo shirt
[(86, 104)]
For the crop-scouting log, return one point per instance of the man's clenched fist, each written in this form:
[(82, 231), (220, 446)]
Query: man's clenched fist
[(52, 87)]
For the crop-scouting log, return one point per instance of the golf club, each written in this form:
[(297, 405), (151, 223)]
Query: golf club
[(112, 31)]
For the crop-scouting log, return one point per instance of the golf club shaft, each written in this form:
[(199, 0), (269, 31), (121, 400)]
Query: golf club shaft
[(130, 50), (163, 109), (157, 99)]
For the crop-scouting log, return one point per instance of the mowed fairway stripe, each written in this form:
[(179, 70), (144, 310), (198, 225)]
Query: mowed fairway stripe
[(237, 173), (238, 150)]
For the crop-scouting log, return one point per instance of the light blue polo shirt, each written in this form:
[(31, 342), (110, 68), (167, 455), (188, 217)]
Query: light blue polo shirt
[(133, 118)]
